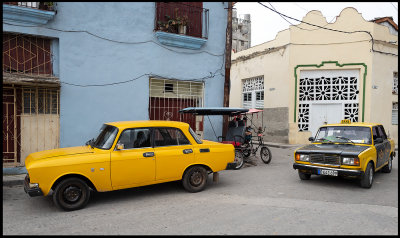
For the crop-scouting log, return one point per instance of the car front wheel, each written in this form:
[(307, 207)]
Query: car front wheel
[(304, 176), (368, 177), (71, 194)]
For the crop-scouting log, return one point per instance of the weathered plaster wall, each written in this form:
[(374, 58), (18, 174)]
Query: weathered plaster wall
[(87, 60)]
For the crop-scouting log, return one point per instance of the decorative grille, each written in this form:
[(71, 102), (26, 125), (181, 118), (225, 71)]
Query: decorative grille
[(327, 89), (395, 89), (27, 55)]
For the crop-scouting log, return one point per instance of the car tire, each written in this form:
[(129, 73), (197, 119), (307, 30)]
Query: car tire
[(388, 167), (71, 194), (195, 179), (367, 178), (304, 176), (239, 159)]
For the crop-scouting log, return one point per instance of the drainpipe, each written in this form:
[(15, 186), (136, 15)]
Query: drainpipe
[(228, 49)]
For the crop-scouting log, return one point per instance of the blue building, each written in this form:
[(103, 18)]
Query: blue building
[(68, 67)]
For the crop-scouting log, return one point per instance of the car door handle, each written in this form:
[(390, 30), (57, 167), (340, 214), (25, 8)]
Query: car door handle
[(204, 150), (148, 154), (187, 151)]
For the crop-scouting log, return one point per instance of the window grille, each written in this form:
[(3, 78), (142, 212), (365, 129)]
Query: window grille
[(167, 97), (26, 54), (253, 92), (395, 113), (41, 101), (395, 89)]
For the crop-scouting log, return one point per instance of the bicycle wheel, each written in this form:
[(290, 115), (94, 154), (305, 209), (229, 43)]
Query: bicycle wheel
[(265, 154), (246, 150), (239, 159)]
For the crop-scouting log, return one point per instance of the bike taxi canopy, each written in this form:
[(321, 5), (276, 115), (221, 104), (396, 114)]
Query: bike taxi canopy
[(214, 110)]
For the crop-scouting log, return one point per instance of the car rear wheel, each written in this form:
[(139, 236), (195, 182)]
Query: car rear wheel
[(71, 194), (195, 179), (368, 177), (388, 167), (304, 176)]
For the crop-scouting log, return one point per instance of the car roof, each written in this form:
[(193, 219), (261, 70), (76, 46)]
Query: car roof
[(148, 123), (365, 124)]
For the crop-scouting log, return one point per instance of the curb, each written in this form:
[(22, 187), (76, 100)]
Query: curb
[(13, 180)]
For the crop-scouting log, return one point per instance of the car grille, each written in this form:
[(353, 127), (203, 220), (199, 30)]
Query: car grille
[(325, 159)]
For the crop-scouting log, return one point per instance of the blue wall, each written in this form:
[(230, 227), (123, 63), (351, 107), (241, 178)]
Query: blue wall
[(84, 59)]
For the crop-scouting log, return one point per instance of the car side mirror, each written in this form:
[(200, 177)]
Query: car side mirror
[(378, 140), (311, 139), (120, 146)]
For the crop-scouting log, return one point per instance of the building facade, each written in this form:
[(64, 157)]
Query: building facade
[(241, 31), (72, 66), (308, 76)]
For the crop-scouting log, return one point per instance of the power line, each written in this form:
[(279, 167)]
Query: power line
[(394, 6), (347, 32), (115, 41)]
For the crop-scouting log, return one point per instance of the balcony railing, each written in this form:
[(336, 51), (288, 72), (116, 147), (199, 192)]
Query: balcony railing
[(182, 18), (47, 6)]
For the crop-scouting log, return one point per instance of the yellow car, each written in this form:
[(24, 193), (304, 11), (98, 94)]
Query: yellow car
[(347, 149), (125, 155)]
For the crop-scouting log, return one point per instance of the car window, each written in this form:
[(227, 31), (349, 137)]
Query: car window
[(169, 137), (382, 132), (135, 138), (375, 133)]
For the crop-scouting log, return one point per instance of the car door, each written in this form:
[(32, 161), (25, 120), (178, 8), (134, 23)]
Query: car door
[(386, 144), (173, 153), (379, 146), (134, 163)]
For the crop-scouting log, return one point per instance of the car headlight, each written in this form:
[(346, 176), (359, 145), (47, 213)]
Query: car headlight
[(350, 161), (300, 157)]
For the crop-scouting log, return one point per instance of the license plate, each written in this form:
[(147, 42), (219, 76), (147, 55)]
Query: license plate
[(328, 172)]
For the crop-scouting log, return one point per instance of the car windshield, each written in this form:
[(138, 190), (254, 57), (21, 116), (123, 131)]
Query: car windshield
[(106, 137), (344, 134)]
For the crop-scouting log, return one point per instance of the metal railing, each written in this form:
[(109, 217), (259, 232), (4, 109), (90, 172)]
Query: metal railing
[(48, 6), (180, 18)]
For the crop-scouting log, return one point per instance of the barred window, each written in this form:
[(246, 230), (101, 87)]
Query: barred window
[(253, 92), (395, 113), (395, 89), (41, 101)]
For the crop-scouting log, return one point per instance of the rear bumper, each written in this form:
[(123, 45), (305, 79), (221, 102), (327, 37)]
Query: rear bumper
[(313, 169), (231, 166), (33, 192)]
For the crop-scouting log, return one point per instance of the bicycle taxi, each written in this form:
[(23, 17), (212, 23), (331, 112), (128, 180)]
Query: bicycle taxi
[(239, 132)]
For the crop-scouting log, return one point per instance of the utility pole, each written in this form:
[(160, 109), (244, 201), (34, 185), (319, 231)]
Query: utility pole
[(228, 49)]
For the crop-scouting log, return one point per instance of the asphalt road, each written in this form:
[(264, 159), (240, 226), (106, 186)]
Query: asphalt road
[(256, 200)]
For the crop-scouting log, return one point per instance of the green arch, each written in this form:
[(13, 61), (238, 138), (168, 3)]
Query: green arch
[(322, 64)]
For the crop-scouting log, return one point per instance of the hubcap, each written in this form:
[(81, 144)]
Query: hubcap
[(72, 193), (390, 163), (371, 173), (196, 179)]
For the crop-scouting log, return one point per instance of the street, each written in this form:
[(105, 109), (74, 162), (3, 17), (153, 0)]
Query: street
[(255, 200)]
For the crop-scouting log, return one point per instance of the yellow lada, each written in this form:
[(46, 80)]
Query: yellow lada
[(346, 149), (125, 155)]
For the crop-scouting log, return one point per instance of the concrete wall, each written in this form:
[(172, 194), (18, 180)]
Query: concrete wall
[(87, 60)]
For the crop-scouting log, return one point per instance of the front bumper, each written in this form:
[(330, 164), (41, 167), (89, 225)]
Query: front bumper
[(33, 192), (231, 166), (313, 169)]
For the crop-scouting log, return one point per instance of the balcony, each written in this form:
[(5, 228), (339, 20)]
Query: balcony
[(31, 13), (182, 25)]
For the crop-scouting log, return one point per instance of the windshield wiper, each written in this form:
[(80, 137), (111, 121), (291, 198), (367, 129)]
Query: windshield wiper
[(324, 140), (90, 142), (344, 138)]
